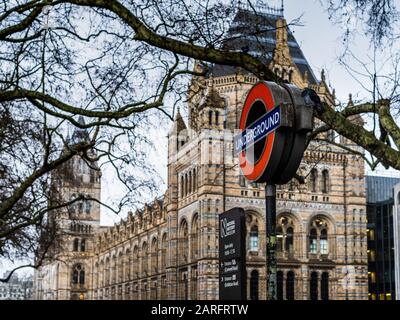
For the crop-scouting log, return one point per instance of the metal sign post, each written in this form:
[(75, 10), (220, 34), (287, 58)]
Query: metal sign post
[(270, 214), (274, 124)]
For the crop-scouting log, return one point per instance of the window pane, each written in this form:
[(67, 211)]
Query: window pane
[(313, 245), (290, 285), (324, 246), (254, 285)]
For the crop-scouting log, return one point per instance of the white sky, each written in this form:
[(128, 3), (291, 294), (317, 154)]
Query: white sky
[(321, 42)]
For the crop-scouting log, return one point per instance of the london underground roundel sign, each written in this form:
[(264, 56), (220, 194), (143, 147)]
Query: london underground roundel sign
[(273, 126)]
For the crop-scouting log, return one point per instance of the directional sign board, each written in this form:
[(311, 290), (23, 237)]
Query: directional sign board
[(257, 130), (232, 255)]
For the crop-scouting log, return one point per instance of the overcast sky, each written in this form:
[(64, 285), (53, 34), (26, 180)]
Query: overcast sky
[(321, 42)]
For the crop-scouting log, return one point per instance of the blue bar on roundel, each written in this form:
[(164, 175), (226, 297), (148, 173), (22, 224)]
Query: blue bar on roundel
[(257, 130)]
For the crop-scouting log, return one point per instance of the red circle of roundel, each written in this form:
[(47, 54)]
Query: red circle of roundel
[(262, 92)]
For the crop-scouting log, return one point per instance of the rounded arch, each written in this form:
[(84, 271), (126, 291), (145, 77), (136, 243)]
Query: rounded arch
[(292, 220), (183, 220), (154, 254), (107, 270), (321, 235), (164, 248), (194, 235), (183, 245), (144, 257), (313, 182), (127, 264), (253, 216), (114, 268), (194, 221), (135, 261), (289, 231), (182, 186), (325, 216), (325, 183), (120, 265)]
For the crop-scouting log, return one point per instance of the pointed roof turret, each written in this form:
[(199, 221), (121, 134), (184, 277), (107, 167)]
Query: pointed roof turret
[(178, 124), (350, 103), (80, 134)]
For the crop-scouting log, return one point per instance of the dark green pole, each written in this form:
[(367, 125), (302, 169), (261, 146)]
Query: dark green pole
[(270, 214)]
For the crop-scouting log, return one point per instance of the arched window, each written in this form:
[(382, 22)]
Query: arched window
[(216, 117), (114, 269), (313, 241), (254, 285), (285, 235), (145, 265), (279, 285), (88, 206), (194, 180), (186, 184), (164, 246), (314, 286), (182, 187), (289, 239), (254, 239), (210, 114), (279, 239), (290, 285), (325, 181), (107, 271), (183, 241), (154, 255), (195, 238), (313, 180), (82, 277), (323, 242), (78, 274), (127, 265), (325, 286), (83, 245), (135, 262), (190, 182)]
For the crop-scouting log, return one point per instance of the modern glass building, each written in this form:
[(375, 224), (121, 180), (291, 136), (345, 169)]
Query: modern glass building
[(380, 232)]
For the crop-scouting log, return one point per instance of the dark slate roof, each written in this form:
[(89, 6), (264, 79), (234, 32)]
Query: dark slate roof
[(255, 33), (380, 188)]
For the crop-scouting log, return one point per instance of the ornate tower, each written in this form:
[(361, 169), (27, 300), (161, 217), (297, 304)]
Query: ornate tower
[(76, 186)]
